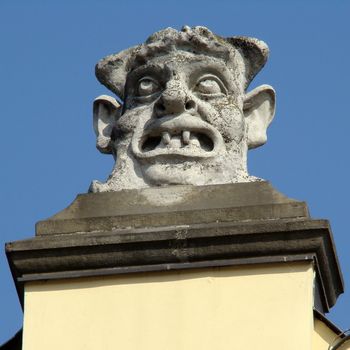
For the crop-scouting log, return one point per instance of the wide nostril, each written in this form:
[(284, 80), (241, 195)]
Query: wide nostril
[(160, 108), (174, 104), (190, 105)]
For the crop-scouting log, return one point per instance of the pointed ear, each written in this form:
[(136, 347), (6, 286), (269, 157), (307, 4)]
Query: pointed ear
[(106, 111), (259, 109)]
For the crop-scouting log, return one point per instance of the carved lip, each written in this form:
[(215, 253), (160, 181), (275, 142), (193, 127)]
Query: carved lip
[(185, 136)]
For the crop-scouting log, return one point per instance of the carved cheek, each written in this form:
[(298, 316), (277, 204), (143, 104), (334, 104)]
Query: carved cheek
[(232, 124), (134, 119), (227, 118)]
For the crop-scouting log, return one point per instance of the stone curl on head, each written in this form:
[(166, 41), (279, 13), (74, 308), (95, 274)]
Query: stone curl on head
[(185, 117)]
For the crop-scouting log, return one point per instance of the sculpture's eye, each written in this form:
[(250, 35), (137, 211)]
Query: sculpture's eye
[(210, 85), (147, 86)]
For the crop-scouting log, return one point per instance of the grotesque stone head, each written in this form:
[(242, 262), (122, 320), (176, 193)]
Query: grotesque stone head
[(185, 116)]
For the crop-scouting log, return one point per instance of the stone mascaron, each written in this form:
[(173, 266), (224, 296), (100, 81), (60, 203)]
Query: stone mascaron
[(185, 116)]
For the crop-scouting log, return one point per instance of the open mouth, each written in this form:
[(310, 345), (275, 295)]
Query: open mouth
[(182, 136), (178, 140)]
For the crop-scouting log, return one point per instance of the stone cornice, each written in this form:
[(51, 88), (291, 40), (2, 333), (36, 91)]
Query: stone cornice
[(120, 250)]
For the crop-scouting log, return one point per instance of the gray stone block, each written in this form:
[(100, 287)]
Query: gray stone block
[(173, 205)]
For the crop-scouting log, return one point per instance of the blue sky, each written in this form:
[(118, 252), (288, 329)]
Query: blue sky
[(47, 85)]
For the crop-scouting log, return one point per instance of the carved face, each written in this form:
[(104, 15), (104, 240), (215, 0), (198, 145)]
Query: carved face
[(183, 116), (185, 120)]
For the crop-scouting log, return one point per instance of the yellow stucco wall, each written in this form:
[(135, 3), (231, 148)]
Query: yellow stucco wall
[(324, 337), (256, 307)]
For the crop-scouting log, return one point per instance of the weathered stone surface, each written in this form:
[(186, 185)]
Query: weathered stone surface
[(173, 205), (186, 116)]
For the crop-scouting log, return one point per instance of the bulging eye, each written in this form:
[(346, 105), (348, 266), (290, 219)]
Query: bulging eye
[(210, 86), (147, 86)]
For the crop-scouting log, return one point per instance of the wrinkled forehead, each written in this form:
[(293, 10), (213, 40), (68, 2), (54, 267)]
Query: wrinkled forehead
[(187, 65)]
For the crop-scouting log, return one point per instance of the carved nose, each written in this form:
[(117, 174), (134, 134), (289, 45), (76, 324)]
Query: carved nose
[(174, 101)]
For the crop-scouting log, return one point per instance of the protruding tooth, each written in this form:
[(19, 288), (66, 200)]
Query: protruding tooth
[(195, 142), (186, 137), (165, 137)]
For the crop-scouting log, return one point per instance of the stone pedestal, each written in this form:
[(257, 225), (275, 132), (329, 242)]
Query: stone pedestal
[(212, 267)]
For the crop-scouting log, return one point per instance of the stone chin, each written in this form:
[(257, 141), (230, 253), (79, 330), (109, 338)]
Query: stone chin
[(174, 174), (221, 169)]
